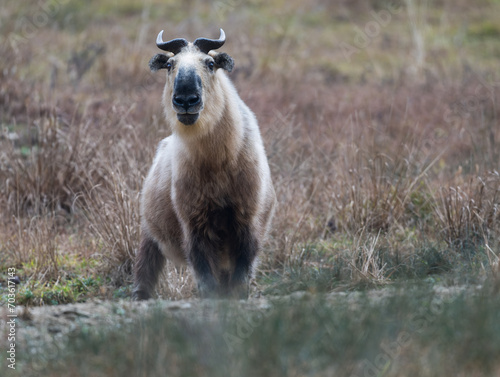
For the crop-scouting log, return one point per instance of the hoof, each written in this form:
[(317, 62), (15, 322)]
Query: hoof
[(237, 292), (140, 295)]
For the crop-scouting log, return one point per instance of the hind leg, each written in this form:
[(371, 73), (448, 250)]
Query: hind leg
[(148, 265)]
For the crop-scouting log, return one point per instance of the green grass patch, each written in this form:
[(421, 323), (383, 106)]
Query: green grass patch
[(65, 291), (338, 263), (484, 30), (73, 283)]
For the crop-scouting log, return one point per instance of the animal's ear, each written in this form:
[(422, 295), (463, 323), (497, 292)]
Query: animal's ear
[(224, 61), (158, 62)]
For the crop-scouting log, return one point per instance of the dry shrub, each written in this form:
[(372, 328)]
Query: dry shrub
[(366, 262), (34, 246), (471, 214), (377, 191), (300, 189), (44, 173), (176, 283), (113, 215), (18, 98)]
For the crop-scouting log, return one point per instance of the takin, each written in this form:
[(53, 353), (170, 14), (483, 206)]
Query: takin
[(208, 198)]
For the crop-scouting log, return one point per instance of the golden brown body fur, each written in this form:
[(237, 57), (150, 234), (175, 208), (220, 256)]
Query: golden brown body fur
[(208, 198)]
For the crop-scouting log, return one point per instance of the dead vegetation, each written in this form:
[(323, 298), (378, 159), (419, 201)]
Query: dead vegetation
[(373, 165)]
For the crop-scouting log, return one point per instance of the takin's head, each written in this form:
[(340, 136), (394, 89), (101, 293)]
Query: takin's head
[(193, 90)]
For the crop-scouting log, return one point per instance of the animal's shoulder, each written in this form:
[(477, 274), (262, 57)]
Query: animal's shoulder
[(163, 154), (164, 148), (163, 144)]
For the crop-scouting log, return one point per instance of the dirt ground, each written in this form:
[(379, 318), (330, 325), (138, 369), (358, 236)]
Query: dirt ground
[(38, 325)]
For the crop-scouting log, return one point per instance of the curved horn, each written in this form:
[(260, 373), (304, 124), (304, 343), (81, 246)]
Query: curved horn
[(206, 45), (174, 46)]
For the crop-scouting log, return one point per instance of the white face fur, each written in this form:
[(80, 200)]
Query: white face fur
[(193, 96)]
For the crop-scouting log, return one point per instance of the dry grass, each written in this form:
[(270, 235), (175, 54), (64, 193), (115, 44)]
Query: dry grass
[(113, 215), (374, 163), (35, 243), (471, 213)]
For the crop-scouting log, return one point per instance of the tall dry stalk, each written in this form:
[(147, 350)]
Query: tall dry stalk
[(471, 214), (113, 215), (34, 247)]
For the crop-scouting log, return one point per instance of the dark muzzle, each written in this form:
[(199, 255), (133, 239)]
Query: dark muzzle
[(186, 98)]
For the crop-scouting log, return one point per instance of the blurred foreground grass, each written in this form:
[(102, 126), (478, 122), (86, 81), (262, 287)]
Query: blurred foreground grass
[(410, 330)]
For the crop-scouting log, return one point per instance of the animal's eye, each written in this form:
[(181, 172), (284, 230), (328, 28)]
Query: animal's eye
[(168, 66), (211, 65)]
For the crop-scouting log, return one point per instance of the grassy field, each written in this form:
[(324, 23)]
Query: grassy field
[(381, 122)]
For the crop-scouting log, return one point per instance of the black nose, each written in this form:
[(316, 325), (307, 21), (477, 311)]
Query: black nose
[(186, 101)]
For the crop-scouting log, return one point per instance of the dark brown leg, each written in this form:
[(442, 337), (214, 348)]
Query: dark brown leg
[(148, 265), (199, 254), (247, 251)]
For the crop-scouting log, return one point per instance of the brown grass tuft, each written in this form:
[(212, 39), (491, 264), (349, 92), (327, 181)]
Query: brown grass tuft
[(471, 213)]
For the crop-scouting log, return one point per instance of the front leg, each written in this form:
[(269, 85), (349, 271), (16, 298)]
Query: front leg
[(201, 259), (246, 251), (147, 268)]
